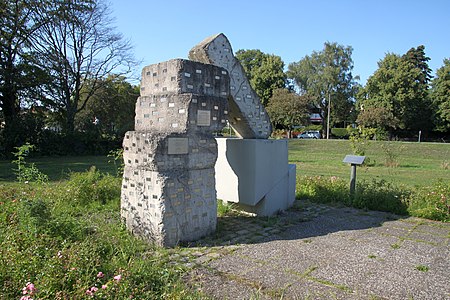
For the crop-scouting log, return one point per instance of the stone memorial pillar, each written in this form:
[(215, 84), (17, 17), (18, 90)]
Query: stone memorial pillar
[(168, 190)]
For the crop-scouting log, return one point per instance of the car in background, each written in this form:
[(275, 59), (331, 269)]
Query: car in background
[(310, 134)]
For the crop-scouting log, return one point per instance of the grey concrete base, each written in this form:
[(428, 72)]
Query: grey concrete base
[(255, 174)]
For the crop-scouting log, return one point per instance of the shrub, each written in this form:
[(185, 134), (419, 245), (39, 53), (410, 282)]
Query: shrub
[(92, 187), (323, 189), (391, 153), (381, 195), (26, 172), (340, 133)]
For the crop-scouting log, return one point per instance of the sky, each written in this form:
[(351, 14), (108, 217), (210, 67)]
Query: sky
[(167, 29)]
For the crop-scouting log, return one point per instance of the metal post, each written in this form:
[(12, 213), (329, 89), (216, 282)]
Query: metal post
[(353, 179), (328, 115)]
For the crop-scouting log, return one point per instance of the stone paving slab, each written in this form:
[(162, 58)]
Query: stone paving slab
[(322, 252)]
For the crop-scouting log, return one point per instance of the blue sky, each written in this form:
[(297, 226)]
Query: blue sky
[(167, 29)]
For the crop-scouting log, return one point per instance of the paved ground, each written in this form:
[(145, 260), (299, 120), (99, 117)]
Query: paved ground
[(322, 252)]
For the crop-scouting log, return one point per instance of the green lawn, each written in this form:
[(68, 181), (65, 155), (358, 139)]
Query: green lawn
[(419, 164), (59, 167)]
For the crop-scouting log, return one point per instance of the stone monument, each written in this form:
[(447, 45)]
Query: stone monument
[(172, 161), (168, 190)]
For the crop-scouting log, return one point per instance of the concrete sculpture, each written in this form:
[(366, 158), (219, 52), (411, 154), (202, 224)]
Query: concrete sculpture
[(172, 161), (168, 191)]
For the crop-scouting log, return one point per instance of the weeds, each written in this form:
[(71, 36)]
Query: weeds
[(27, 172), (223, 208), (391, 154), (431, 202), (422, 268), (65, 241)]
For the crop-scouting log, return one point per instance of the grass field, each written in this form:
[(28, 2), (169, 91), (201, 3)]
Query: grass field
[(59, 167), (419, 164)]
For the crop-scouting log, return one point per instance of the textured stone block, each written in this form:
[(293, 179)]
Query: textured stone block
[(247, 116), (169, 208), (180, 76), (161, 153), (181, 113)]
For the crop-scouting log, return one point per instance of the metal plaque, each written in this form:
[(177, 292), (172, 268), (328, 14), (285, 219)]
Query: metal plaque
[(203, 118), (178, 146)]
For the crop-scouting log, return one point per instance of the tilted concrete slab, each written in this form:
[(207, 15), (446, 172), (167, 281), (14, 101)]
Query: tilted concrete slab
[(247, 116)]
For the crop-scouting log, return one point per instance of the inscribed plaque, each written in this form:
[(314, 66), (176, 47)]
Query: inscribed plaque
[(178, 146), (203, 118)]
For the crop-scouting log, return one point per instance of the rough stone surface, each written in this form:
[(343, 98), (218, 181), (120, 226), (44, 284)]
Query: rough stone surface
[(248, 116), (168, 190)]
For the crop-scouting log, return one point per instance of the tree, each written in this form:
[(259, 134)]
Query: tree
[(20, 77), (18, 74), (441, 97), (288, 109), (264, 71), (326, 76), (111, 109), (399, 89), (78, 46)]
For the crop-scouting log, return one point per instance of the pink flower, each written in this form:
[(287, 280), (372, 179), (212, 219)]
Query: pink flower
[(89, 293), (29, 288), (104, 287), (117, 277), (94, 289), (26, 298), (100, 275)]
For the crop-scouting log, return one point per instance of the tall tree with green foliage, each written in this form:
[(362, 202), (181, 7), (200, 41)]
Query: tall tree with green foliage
[(20, 77), (440, 95), (79, 47), (111, 108), (264, 71), (326, 76), (398, 89), (288, 109), (18, 73)]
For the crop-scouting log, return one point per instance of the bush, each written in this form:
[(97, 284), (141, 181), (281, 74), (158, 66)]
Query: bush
[(92, 187), (381, 195), (340, 133), (323, 189)]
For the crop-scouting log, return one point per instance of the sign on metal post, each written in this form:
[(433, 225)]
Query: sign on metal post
[(354, 160)]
